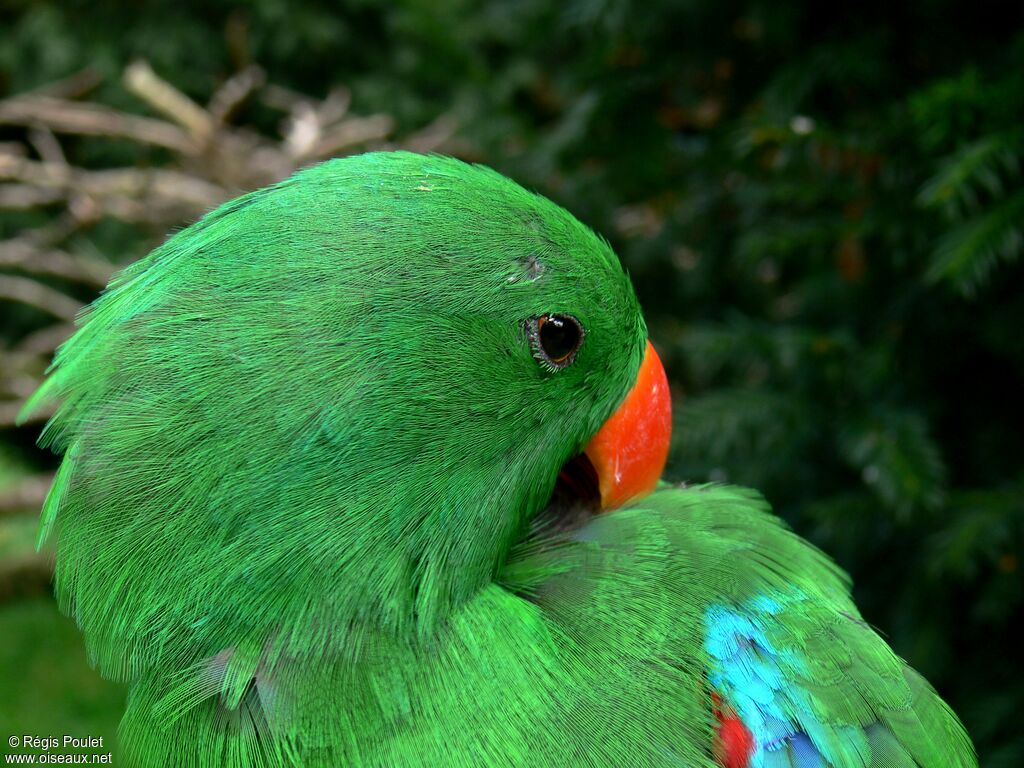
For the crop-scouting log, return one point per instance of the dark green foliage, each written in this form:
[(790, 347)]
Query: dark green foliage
[(822, 213), (50, 690)]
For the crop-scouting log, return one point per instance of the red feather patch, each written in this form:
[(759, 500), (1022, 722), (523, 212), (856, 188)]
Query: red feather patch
[(734, 742)]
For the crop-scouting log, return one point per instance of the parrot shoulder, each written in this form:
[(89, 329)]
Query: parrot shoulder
[(794, 675)]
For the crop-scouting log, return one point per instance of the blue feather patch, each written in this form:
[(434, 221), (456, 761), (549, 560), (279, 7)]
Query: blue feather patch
[(761, 682)]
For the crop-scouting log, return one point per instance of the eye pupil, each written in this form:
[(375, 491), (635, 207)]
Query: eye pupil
[(560, 336)]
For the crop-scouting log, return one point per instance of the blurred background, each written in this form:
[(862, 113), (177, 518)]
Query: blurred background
[(822, 212)]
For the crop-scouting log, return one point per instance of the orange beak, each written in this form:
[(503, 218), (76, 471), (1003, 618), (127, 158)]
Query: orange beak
[(630, 450)]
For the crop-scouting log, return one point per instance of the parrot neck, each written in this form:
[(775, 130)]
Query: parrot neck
[(402, 559)]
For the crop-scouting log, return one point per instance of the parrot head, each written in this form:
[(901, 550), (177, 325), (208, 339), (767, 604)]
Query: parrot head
[(339, 401)]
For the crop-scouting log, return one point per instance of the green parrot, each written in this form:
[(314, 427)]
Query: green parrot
[(362, 469)]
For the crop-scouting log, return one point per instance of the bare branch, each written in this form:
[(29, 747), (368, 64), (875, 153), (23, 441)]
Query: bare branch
[(27, 291), (45, 340), (92, 120), (141, 80), (9, 410), (29, 493), (335, 106), (172, 186), (21, 197), (433, 136), (283, 99), (19, 387), (234, 92), (21, 254), (121, 190), (46, 144), (52, 233), (350, 133), (73, 87), (17, 379)]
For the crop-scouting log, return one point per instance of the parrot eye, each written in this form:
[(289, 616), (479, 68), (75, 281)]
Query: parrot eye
[(556, 339)]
